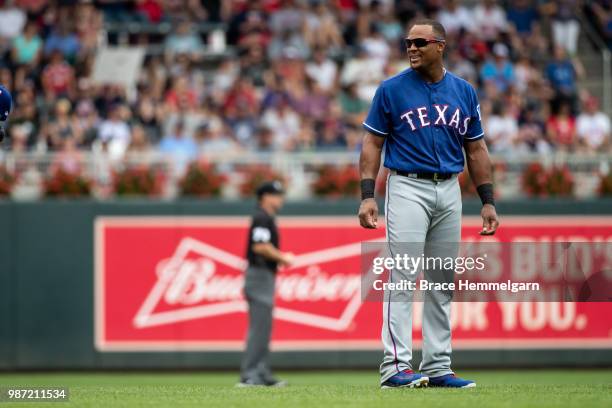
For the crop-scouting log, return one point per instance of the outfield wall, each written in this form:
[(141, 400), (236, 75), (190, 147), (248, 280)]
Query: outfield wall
[(47, 301)]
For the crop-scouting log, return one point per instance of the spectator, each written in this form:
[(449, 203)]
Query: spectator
[(284, 123), (213, 141), (330, 136), (501, 129), (472, 47), (26, 116), (89, 22), (287, 18), (375, 45), (181, 10), (537, 46), (561, 129), (309, 100), (115, 10), (254, 65), (593, 127), (305, 140), (322, 70), (354, 138), (288, 44), (139, 150), (462, 67), (63, 126), (353, 107), (149, 114), (525, 73), (19, 139), (150, 11), (58, 78), (455, 17), (253, 19), (489, 19), (27, 47), (500, 70), (321, 28), (86, 120), (183, 41), (114, 132), (179, 148), (523, 16), (563, 72), (565, 25), (389, 27), (532, 132), (181, 96), (224, 77), (12, 20), (601, 14), (264, 140), (364, 71), (64, 40), (240, 107), (69, 158)]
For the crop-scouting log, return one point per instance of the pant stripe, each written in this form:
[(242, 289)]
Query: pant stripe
[(390, 276)]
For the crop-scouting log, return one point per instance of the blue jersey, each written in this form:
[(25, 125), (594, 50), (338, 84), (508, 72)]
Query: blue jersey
[(425, 124)]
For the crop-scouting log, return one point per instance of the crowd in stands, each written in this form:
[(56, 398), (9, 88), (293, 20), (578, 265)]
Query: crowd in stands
[(300, 78)]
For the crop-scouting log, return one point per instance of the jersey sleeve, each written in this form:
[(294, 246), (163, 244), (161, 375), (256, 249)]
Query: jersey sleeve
[(474, 130), (260, 230), (377, 121)]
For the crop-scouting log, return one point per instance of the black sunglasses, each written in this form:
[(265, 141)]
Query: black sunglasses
[(420, 42)]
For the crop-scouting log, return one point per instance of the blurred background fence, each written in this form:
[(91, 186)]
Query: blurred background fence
[(306, 175)]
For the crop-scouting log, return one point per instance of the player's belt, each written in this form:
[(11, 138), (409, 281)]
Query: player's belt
[(426, 175)]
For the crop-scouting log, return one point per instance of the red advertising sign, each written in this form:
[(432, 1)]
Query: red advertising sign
[(175, 283)]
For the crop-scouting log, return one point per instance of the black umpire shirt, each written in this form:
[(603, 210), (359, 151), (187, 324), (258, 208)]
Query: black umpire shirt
[(263, 229)]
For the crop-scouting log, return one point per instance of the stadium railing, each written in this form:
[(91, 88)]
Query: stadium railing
[(299, 169)]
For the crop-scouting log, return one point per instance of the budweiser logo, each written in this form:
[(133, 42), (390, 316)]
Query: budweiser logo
[(194, 281), (195, 287)]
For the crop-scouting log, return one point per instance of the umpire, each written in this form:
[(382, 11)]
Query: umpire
[(264, 257)]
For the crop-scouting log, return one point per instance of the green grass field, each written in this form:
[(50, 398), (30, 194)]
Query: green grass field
[(513, 389)]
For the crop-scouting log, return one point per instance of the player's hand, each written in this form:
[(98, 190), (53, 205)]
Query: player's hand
[(489, 220), (368, 213), (287, 259)]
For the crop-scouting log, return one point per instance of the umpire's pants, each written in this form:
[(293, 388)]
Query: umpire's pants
[(259, 293)]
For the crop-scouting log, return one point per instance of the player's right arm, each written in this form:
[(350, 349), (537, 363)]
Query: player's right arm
[(369, 164), (377, 129)]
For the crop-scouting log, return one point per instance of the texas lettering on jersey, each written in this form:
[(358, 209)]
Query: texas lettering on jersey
[(455, 120), (425, 124)]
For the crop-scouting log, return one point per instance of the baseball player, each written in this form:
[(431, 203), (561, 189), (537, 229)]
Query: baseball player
[(6, 102), (425, 117), (263, 256)]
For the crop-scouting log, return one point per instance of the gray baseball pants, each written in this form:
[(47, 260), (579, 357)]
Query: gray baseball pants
[(420, 214), (259, 292)]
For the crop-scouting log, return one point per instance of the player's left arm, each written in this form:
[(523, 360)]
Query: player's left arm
[(479, 166)]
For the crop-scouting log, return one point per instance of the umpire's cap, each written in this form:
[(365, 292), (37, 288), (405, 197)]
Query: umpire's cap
[(270, 187), (6, 101)]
